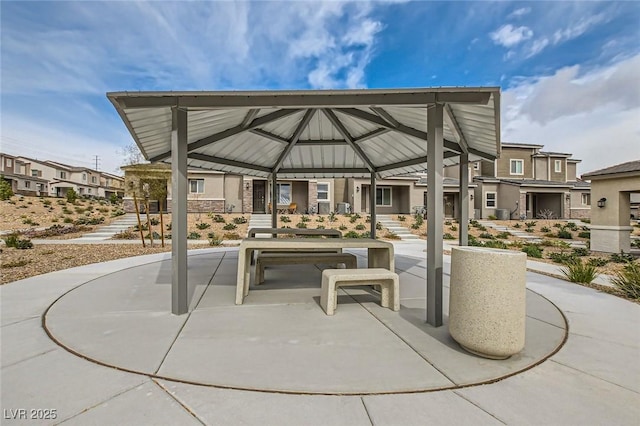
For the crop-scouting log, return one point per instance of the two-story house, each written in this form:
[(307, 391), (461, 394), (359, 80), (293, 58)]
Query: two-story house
[(22, 177), (527, 182)]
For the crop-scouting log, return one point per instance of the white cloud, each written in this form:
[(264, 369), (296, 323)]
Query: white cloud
[(577, 29), (508, 35), (593, 115), (537, 46), (518, 13)]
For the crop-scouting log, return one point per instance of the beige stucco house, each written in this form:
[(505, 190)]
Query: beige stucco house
[(612, 189)]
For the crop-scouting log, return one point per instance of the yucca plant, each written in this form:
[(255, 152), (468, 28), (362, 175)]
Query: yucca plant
[(628, 280), (578, 271)]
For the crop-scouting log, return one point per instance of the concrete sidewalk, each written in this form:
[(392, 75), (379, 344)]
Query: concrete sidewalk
[(113, 314)]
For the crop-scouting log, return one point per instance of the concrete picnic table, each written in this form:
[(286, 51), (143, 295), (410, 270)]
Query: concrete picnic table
[(380, 254)]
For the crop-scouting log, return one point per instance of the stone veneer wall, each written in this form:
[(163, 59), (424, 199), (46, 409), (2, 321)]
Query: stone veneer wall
[(313, 196), (247, 196), (522, 206), (580, 213), (203, 206), (566, 214)]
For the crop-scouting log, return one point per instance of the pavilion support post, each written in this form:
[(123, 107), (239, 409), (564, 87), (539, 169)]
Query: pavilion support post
[(463, 216), (372, 203), (435, 214), (179, 285), (274, 201)]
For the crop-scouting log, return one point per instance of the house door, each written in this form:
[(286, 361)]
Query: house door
[(448, 205), (259, 196)]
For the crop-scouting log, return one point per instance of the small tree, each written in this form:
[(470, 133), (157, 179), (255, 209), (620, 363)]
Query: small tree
[(5, 189), (72, 196)]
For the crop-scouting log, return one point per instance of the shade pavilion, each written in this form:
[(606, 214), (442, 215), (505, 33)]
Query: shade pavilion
[(317, 134)]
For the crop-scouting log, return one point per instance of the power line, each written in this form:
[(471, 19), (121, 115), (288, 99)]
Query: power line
[(97, 159)]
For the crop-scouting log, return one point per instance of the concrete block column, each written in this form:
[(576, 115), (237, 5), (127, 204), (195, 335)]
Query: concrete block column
[(487, 300)]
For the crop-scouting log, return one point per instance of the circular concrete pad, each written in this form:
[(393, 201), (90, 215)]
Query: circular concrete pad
[(280, 340)]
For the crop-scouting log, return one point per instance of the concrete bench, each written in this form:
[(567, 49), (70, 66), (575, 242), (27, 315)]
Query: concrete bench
[(333, 278), (295, 232), (275, 258)]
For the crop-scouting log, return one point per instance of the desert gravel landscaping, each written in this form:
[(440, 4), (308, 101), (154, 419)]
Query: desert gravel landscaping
[(30, 215)]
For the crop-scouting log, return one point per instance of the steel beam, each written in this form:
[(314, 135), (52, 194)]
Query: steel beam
[(345, 134), (294, 138), (180, 292), (372, 208), (463, 217), (435, 214), (274, 201), (227, 162)]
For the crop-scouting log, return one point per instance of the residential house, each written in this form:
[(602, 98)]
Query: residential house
[(527, 182), (22, 177), (29, 176)]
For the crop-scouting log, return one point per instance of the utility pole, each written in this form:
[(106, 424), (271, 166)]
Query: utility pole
[(96, 159)]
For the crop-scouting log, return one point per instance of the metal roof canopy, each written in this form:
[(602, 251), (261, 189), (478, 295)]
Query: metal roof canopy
[(373, 133)]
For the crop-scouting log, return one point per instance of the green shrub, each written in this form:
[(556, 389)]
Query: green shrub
[(332, 217), (193, 236), (447, 222), (156, 236), (351, 234), (285, 219), (89, 220), (496, 244), (581, 251), (628, 280), (419, 220), (125, 235), (154, 221), (486, 236), (342, 227), (578, 271), (201, 225), (80, 210), (11, 240), (230, 227), (502, 235), (117, 213), (448, 236), (453, 228), (231, 236), (562, 257), (217, 218), (301, 225), (353, 219), (239, 220), (530, 224), (305, 219), (402, 218), (572, 226), (168, 226), (113, 199), (585, 220), (564, 234), (493, 217), (67, 220), (320, 227), (320, 219), (598, 261), (367, 219), (378, 226), (584, 234), (517, 226), (30, 222), (5, 190), (72, 196), (557, 225), (533, 250), (621, 257), (545, 229), (635, 243), (360, 227), (529, 230)]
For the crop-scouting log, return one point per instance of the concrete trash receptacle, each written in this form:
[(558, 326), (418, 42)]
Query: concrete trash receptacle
[(487, 300)]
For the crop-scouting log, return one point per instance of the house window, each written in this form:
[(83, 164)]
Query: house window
[(93, 179), (323, 191), (586, 199), (196, 186), (35, 173), (8, 162), (63, 175), (89, 191), (27, 184), (383, 196), (476, 166), (517, 167), (558, 166), (284, 193), (84, 177), (490, 200)]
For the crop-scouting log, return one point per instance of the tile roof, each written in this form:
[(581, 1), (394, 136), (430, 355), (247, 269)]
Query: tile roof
[(631, 166)]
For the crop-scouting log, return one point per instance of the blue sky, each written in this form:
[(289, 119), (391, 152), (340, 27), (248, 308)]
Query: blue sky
[(569, 71)]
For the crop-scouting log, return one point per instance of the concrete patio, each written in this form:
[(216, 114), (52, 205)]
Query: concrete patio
[(99, 345)]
